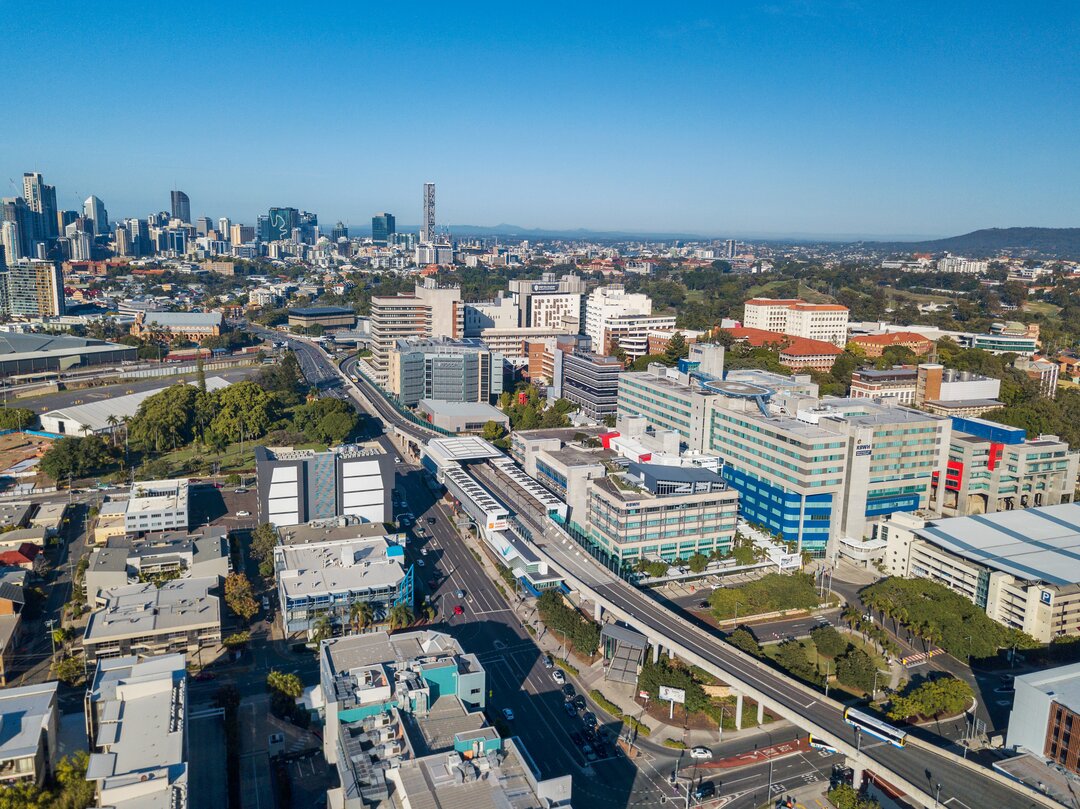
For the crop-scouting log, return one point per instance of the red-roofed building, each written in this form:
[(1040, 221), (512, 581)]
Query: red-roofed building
[(758, 338), (798, 318), (805, 354), (874, 345), (27, 557)]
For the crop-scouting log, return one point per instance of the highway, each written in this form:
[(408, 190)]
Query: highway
[(933, 772)]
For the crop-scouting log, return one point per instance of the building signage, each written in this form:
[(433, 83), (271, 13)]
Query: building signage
[(545, 287), (863, 449), (1045, 596), (673, 694)]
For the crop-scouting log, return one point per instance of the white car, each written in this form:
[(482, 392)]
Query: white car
[(423, 551), (243, 514), (700, 752), (558, 676)]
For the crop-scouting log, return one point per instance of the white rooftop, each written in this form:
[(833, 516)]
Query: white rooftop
[(1033, 544), (24, 716), (95, 414), (152, 496), (355, 565), (143, 609)]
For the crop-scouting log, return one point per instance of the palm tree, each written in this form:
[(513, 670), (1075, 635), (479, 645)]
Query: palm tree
[(400, 616), (112, 421), (84, 429), (324, 628), (361, 615)]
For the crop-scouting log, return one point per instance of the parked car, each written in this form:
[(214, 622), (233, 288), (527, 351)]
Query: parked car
[(430, 520), (239, 491), (508, 715), (579, 702), (700, 752), (569, 708), (419, 562), (548, 662), (459, 610), (558, 676), (460, 594), (423, 551), (589, 719), (568, 691)]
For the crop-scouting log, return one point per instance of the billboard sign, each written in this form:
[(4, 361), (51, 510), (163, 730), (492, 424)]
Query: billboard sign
[(673, 694)]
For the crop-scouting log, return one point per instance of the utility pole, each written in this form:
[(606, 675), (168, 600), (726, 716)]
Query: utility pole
[(50, 623)]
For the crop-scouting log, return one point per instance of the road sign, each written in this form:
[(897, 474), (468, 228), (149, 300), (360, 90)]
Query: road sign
[(643, 694), (673, 694)]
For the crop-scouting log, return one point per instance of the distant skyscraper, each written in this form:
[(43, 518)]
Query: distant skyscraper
[(139, 235), (15, 209), (94, 210), (339, 232), (9, 240), (202, 225), (242, 234), (262, 227), (63, 219), (427, 228), (181, 206), (223, 226), (41, 199), (280, 223), (383, 227), (123, 241), (729, 248), (34, 289)]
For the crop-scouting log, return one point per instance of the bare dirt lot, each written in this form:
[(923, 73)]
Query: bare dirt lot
[(17, 450)]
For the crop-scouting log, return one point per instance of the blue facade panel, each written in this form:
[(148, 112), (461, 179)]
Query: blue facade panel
[(887, 505), (778, 509), (989, 431)]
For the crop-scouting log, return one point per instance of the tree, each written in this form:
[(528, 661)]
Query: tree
[(828, 641), (70, 670), (236, 640), (676, 350), (361, 615), (283, 682), (856, 669), (15, 418), (742, 639), (244, 410), (400, 616), (323, 629), (239, 596), (166, 420), (843, 796), (493, 431), (698, 562), (943, 695)]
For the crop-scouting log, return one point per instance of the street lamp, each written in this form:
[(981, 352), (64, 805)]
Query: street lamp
[(736, 621), (50, 623)]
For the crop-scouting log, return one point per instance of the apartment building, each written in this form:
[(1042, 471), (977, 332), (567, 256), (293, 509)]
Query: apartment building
[(796, 317), (1020, 566), (137, 724), (316, 579), (614, 316), (992, 467), (32, 288), (550, 303), (444, 369), (663, 512), (180, 617), (300, 485), (29, 746)]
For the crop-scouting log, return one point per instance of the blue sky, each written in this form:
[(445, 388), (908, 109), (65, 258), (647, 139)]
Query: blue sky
[(721, 118)]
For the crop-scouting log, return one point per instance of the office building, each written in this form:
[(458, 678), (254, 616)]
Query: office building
[(825, 470), (128, 559), (616, 317), (137, 723), (324, 579), (122, 241), (300, 485), (654, 511), (170, 326), (992, 467), (444, 369), (513, 343), (1006, 341), (460, 417), (179, 617), (41, 199), (1020, 566), (432, 311), (590, 381), (280, 224), (896, 384), (936, 383), (9, 244), (157, 505), (427, 226), (242, 234), (550, 303), (500, 313), (181, 206), (730, 248), (29, 745), (797, 318), (32, 288), (329, 317), (1045, 710), (19, 241), (383, 226), (223, 227), (94, 211), (667, 397)]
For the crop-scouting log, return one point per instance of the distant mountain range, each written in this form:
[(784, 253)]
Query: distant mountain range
[(989, 242)]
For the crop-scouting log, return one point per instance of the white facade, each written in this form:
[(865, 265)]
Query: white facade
[(363, 494), (962, 265), (157, 505), (825, 322)]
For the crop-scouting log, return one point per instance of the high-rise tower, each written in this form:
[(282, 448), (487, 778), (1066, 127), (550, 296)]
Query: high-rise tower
[(427, 228), (181, 206)]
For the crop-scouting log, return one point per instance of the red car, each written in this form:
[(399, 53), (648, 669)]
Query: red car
[(459, 610)]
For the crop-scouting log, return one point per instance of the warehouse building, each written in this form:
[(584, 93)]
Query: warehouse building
[(35, 353)]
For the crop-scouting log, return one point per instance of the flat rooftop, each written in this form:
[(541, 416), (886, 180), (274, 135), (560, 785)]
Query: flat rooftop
[(24, 716), (325, 531), (329, 567), (141, 609), (1032, 544), (157, 496), (374, 648)]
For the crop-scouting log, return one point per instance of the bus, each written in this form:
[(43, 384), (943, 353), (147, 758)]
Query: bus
[(817, 744), (875, 727)]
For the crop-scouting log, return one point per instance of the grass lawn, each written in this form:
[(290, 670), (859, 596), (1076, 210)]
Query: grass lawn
[(820, 660), (1047, 310), (918, 297)]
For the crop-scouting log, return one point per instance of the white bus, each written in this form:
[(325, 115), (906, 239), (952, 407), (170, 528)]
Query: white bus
[(875, 727)]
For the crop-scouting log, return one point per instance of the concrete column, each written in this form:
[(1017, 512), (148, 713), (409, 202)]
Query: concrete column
[(671, 654), (859, 770), (738, 711), (656, 653), (761, 713), (598, 612)]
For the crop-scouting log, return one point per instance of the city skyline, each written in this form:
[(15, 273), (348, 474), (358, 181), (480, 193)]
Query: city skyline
[(780, 119)]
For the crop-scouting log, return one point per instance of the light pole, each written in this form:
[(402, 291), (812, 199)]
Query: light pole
[(50, 623), (735, 623)]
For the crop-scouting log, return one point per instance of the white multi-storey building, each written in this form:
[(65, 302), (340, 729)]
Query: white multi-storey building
[(613, 315), (962, 265), (816, 321)]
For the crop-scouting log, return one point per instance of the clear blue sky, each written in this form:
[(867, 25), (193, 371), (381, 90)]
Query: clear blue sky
[(724, 118)]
